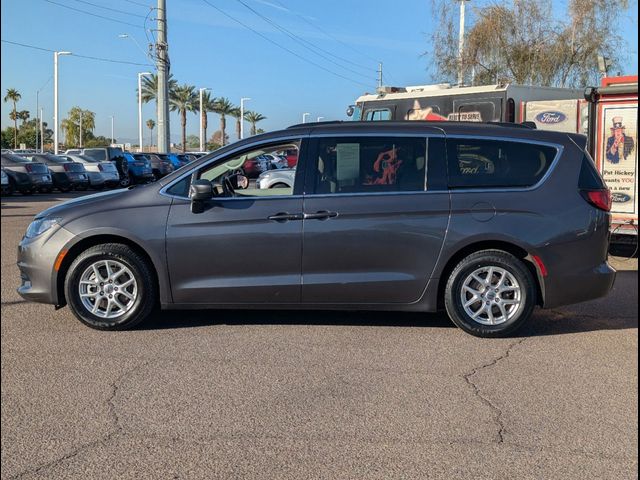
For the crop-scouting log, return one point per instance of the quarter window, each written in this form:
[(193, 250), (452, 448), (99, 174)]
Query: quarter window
[(492, 163), (364, 165), (377, 115)]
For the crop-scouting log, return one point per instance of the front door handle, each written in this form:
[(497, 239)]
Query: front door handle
[(322, 215), (285, 217)]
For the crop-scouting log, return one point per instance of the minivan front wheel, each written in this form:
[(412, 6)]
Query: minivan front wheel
[(110, 287), (490, 293)]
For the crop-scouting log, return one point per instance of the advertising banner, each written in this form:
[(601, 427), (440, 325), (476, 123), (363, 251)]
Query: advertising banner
[(619, 155), (554, 115)]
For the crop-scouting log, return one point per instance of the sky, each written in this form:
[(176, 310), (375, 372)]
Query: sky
[(209, 49)]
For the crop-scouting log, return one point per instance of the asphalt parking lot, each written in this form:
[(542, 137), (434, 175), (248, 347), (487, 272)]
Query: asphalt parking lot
[(223, 394)]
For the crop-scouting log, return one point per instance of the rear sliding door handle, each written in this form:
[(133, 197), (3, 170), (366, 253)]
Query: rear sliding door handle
[(285, 217), (322, 215)]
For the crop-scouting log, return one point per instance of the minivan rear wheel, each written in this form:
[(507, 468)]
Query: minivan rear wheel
[(490, 293), (110, 287)]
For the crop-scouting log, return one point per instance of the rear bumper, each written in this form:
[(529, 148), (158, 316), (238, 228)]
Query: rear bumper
[(579, 287)]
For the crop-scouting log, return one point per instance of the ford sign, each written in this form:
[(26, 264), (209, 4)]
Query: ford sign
[(618, 197), (550, 117)]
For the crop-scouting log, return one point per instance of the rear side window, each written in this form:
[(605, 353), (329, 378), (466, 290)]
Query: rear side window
[(476, 163), (590, 178), (97, 154), (377, 115), (364, 165)]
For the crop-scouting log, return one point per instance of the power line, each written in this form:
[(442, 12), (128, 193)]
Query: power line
[(88, 57), (93, 14), (273, 42), (123, 12), (331, 36), (138, 3), (311, 47)]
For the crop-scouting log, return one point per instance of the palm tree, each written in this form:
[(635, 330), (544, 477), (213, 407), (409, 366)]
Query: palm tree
[(150, 87), (223, 107), (23, 115), (184, 100), (151, 125), (13, 96), (208, 105), (253, 118)]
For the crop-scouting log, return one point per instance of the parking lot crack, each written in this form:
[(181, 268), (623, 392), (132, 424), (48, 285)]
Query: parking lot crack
[(496, 411), (115, 430)]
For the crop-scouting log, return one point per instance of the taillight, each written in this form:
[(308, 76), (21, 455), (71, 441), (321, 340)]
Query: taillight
[(100, 167), (600, 199), (29, 168), (67, 167)]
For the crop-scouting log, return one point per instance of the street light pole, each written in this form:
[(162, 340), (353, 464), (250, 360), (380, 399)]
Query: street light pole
[(55, 99), (41, 132), (80, 141), (304, 117), (113, 140), (37, 120), (319, 119), (461, 44), (202, 114), (140, 75), (242, 100)]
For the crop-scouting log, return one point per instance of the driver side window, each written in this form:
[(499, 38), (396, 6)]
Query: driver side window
[(270, 169)]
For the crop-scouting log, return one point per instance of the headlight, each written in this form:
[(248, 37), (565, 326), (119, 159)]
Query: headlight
[(38, 227)]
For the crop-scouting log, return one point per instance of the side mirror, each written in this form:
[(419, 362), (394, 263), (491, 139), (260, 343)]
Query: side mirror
[(199, 192), (351, 110)]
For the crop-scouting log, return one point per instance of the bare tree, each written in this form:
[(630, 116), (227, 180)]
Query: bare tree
[(520, 41)]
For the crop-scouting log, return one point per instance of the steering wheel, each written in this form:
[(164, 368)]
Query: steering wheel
[(227, 186)]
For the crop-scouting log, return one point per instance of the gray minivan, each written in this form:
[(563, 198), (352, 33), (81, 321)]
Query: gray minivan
[(486, 221)]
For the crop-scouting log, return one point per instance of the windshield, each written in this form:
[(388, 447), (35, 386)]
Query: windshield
[(99, 154), (15, 158)]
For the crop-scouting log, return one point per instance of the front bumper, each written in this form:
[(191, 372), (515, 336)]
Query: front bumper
[(36, 260)]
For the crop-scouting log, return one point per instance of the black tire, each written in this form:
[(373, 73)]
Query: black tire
[(46, 190), (143, 304), (125, 181), (279, 185), (489, 258), (27, 191), (65, 189), (83, 188)]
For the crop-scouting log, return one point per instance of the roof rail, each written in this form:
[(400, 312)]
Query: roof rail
[(529, 125), (307, 124)]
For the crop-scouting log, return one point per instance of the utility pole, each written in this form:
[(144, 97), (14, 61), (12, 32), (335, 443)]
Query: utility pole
[(112, 137), (380, 75), (461, 44), (304, 117), (80, 141), (162, 64)]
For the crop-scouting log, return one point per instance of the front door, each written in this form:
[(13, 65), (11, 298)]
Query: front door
[(372, 230), (243, 249)]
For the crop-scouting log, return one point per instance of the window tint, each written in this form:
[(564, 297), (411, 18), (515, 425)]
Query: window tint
[(256, 164), (495, 163), (376, 115), (590, 178), (348, 165), (98, 153)]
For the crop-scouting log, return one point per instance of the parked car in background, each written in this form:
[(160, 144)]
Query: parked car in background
[(101, 174), (25, 176), (111, 154), (173, 158), (160, 166), (7, 188), (279, 178), (66, 175), (140, 169), (73, 151), (186, 157)]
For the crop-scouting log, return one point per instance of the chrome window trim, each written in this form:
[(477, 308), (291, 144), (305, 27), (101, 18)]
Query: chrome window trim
[(163, 190), (559, 150)]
